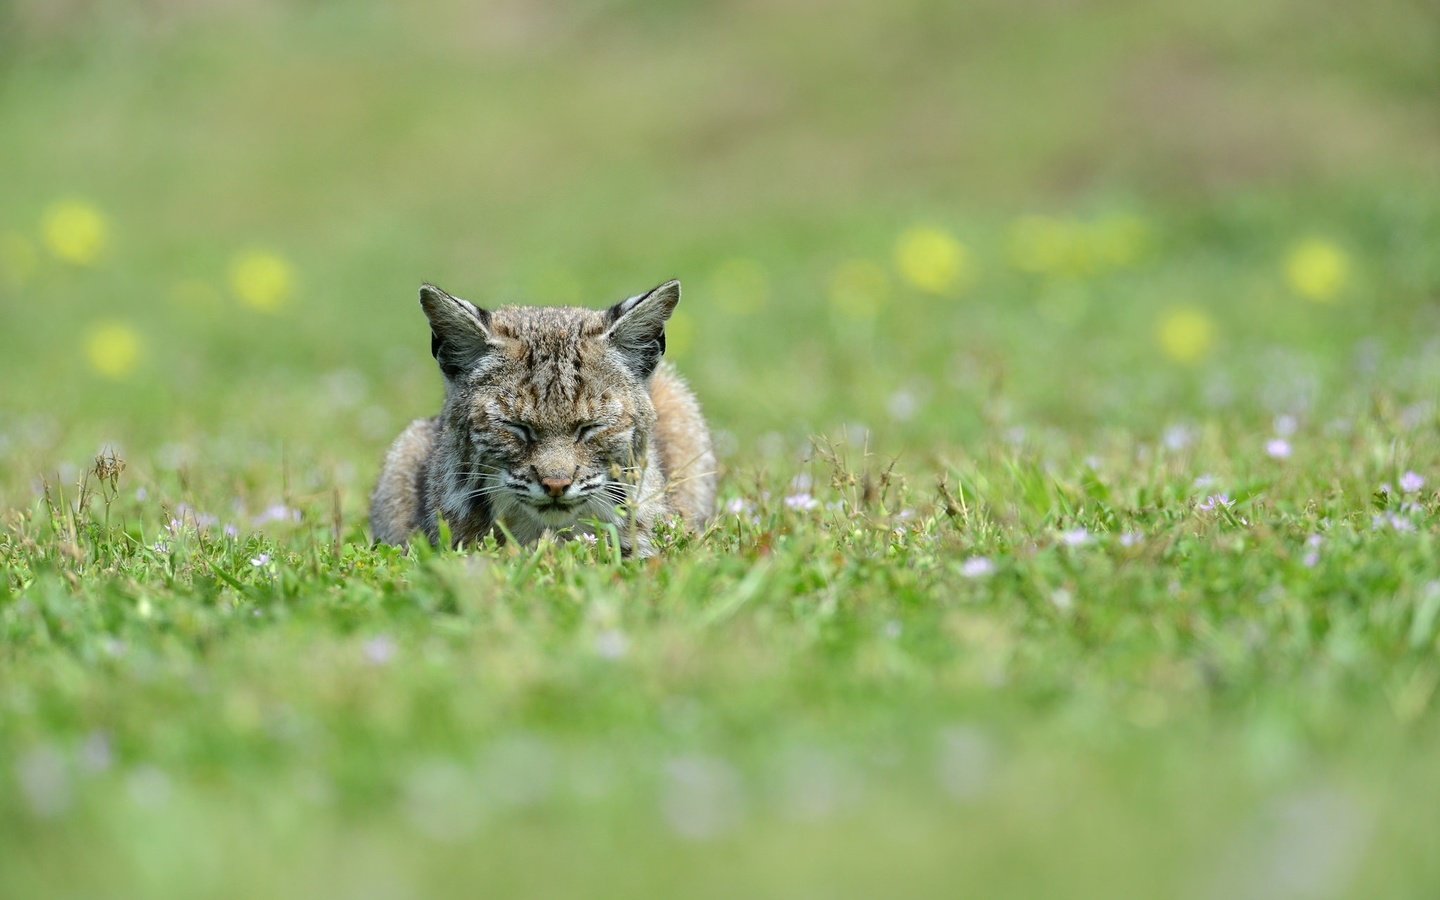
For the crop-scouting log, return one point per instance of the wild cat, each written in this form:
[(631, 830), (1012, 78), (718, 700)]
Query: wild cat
[(555, 419)]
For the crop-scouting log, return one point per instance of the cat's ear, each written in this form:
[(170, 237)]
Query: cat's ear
[(460, 333), (636, 327)]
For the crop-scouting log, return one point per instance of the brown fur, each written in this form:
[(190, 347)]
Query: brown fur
[(546, 400)]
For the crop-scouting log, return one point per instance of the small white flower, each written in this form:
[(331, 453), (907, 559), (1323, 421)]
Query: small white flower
[(587, 538), (801, 501), (1129, 538), (379, 650), (1278, 448), (1063, 600), (738, 507), (261, 560), (977, 567), (231, 531), (1178, 437), (1215, 501), (611, 644), (1075, 537), (1411, 482), (1395, 522), (277, 512), (902, 405)]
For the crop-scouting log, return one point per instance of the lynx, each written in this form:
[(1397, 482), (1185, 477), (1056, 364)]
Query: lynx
[(555, 419)]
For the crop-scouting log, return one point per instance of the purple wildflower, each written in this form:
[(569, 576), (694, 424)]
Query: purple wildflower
[(801, 501)]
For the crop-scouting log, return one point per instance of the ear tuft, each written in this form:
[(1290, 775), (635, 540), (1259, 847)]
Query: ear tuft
[(637, 327), (459, 331)]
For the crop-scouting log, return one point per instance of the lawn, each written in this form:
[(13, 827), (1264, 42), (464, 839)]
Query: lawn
[(1074, 372)]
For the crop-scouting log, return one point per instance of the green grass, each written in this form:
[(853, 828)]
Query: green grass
[(969, 621)]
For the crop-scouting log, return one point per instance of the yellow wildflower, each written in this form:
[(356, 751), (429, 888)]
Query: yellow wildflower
[(1045, 245), (113, 349), (1186, 334), (1317, 269), (262, 280), (932, 260), (75, 232)]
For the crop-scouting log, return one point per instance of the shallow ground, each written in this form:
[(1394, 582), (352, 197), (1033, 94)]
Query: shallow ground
[(1074, 372)]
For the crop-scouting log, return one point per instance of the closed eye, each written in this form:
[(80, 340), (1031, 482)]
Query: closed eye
[(519, 429), (587, 431)]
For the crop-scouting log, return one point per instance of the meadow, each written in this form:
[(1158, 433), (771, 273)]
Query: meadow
[(1074, 370)]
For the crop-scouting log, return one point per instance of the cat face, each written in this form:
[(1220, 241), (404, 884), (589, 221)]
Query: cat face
[(549, 409)]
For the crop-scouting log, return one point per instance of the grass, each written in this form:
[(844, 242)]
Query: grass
[(1013, 590)]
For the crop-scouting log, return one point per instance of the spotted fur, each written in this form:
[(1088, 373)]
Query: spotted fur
[(555, 419)]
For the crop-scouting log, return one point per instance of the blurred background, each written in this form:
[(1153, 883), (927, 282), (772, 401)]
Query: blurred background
[(920, 221), (1104, 265)]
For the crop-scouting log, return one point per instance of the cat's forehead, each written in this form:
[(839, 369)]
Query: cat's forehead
[(548, 325), (553, 366)]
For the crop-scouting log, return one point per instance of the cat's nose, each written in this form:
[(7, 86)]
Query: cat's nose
[(555, 487)]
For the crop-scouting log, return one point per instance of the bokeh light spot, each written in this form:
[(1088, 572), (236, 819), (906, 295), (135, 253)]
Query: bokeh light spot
[(931, 260), (262, 280), (1187, 335), (1317, 269), (113, 349), (75, 232)]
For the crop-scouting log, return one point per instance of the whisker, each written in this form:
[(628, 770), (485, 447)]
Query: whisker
[(485, 491)]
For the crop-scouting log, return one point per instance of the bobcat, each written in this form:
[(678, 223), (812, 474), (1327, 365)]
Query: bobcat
[(555, 419)]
